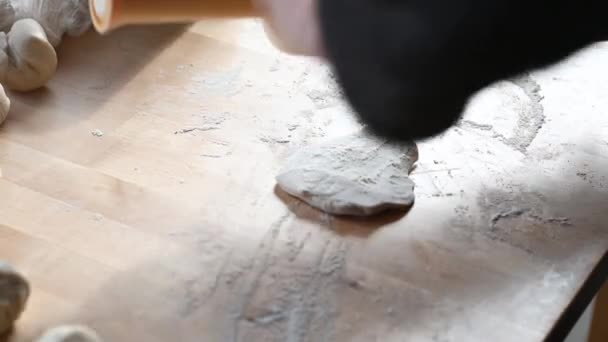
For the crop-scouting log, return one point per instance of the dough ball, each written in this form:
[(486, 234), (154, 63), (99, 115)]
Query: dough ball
[(5, 105), (70, 333), (57, 17), (356, 175), (14, 292), (7, 14), (27, 59)]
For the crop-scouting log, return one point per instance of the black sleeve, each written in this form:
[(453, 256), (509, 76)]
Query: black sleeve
[(408, 67)]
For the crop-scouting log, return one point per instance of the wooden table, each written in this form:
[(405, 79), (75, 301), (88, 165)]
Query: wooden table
[(138, 196)]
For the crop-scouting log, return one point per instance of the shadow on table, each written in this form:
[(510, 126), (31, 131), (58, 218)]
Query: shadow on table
[(92, 68), (360, 227)]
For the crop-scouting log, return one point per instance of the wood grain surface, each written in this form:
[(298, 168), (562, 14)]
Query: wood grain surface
[(138, 196)]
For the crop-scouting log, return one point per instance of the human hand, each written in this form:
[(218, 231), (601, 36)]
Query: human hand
[(293, 25)]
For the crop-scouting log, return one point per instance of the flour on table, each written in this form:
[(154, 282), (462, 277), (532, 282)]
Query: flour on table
[(97, 133), (357, 175)]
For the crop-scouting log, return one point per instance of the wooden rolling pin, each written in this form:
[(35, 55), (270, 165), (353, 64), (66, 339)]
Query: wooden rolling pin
[(110, 14)]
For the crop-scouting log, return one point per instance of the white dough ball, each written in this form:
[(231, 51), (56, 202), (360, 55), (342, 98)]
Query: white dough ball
[(32, 60)]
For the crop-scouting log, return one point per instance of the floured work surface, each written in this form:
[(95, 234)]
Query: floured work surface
[(168, 226)]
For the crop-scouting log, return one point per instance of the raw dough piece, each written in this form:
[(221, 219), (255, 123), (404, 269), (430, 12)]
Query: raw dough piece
[(7, 15), (5, 105), (356, 175), (27, 59), (57, 17), (14, 292), (70, 333)]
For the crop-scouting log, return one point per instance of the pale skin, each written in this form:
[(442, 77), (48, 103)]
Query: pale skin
[(293, 25)]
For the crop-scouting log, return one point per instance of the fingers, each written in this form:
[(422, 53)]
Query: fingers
[(292, 25)]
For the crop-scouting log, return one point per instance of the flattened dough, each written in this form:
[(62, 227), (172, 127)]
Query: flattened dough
[(356, 175)]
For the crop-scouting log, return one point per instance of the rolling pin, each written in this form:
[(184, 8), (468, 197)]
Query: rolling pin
[(108, 15)]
